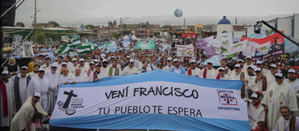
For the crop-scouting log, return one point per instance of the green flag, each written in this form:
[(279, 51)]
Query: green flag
[(84, 49), (149, 45), (64, 49), (75, 43)]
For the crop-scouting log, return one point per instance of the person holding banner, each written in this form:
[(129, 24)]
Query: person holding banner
[(79, 77), (209, 72), (130, 69), (237, 73), (279, 94), (177, 68), (221, 74), (169, 64), (114, 70), (193, 70), (256, 110), (260, 80)]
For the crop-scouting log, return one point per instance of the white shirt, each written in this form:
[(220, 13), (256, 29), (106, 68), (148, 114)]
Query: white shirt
[(127, 70)]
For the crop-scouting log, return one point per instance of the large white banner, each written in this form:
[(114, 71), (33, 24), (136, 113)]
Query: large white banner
[(185, 50), (154, 97)]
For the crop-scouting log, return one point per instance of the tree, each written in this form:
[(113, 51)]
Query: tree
[(39, 37), (110, 24), (54, 23), (90, 27), (114, 23), (20, 24)]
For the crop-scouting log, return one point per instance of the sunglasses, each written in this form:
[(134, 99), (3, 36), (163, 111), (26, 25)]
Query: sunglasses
[(278, 77)]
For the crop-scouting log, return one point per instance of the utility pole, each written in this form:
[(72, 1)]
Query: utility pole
[(34, 25)]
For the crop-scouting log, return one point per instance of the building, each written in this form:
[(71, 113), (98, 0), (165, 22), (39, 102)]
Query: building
[(224, 25)]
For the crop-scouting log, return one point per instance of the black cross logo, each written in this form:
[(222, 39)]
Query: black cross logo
[(68, 99)]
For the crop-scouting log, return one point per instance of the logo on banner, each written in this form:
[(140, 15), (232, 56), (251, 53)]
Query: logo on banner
[(227, 98), (71, 103)]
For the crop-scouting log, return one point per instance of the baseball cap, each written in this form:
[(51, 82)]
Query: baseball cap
[(254, 96), (220, 69), (169, 58), (248, 57), (74, 59), (5, 72), (237, 66), (24, 67), (258, 70), (41, 70), (37, 94), (193, 61), (175, 60), (240, 60), (81, 60), (278, 75), (132, 61), (273, 66), (292, 71), (54, 65), (259, 62)]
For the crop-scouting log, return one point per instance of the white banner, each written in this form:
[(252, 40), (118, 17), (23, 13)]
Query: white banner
[(154, 97), (185, 50)]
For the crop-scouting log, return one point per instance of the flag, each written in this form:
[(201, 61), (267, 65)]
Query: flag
[(64, 49), (146, 45), (92, 45), (75, 41), (84, 49)]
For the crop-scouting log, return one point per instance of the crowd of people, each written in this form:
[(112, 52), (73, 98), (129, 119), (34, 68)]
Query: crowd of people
[(271, 86)]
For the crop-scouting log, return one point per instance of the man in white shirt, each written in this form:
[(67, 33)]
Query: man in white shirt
[(65, 77), (40, 84), (53, 77), (80, 77), (47, 65), (177, 68), (83, 66), (256, 110), (104, 69), (34, 73), (114, 70), (130, 69), (74, 65), (209, 72), (278, 94), (169, 64), (20, 87), (221, 74), (193, 70), (271, 73), (7, 100), (287, 121), (294, 83)]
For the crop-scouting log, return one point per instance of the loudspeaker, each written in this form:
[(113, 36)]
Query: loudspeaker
[(9, 18)]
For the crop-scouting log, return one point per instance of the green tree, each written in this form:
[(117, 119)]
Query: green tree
[(39, 37), (90, 27), (114, 23), (20, 24), (54, 23), (110, 24)]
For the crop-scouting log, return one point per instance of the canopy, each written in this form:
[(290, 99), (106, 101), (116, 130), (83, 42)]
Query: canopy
[(153, 100)]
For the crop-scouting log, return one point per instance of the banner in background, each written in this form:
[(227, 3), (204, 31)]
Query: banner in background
[(152, 101), (185, 50), (143, 45), (273, 43)]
